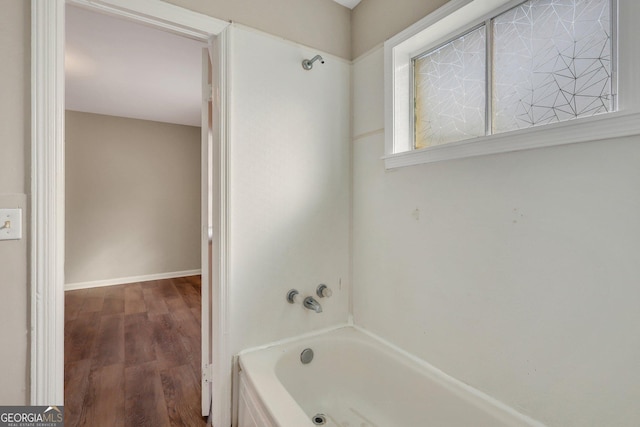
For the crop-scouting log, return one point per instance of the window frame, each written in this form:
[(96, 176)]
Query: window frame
[(463, 15)]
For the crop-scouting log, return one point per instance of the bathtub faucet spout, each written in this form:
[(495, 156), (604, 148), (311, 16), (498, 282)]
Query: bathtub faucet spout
[(312, 304)]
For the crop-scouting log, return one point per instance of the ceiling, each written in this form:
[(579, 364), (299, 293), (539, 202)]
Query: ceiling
[(121, 68), (348, 3)]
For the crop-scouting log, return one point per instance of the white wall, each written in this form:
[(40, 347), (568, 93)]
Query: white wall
[(515, 273), (289, 195), (132, 199)]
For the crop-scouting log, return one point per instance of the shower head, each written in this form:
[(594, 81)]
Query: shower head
[(307, 64)]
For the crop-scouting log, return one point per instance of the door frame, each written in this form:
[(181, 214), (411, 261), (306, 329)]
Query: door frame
[(48, 181)]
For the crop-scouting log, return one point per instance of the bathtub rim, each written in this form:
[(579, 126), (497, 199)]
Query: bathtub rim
[(277, 396)]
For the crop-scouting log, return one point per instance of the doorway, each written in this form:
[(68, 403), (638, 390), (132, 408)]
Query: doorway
[(47, 217), (133, 98)]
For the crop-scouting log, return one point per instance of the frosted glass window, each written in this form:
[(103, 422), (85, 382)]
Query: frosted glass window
[(551, 62), (450, 93), (491, 74)]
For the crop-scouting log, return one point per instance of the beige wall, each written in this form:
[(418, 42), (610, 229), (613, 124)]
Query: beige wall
[(132, 198), (14, 101), (14, 143), (320, 24), (374, 21)]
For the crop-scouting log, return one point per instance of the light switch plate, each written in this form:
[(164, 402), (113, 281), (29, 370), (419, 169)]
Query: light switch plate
[(10, 224)]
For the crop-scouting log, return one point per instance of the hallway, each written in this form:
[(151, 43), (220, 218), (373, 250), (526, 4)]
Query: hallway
[(132, 354)]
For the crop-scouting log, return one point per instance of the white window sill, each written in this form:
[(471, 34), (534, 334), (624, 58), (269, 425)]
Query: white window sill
[(606, 126)]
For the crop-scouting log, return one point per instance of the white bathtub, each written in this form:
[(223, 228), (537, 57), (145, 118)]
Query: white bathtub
[(354, 380)]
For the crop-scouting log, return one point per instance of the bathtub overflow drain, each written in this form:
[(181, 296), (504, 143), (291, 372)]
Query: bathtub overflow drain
[(306, 356), (319, 419)]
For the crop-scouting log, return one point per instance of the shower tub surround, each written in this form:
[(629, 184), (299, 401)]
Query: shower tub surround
[(355, 379)]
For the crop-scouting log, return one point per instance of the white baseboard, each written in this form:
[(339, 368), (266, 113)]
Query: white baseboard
[(132, 279)]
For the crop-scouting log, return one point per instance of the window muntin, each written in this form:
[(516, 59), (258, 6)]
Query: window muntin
[(549, 61), (450, 94)]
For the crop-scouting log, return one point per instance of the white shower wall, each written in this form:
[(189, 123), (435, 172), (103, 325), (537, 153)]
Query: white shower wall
[(516, 273), (289, 187)]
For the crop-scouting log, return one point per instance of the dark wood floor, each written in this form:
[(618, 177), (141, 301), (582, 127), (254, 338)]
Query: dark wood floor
[(132, 355)]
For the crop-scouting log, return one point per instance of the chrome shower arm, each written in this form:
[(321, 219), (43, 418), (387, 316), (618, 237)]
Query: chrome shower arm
[(307, 64)]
